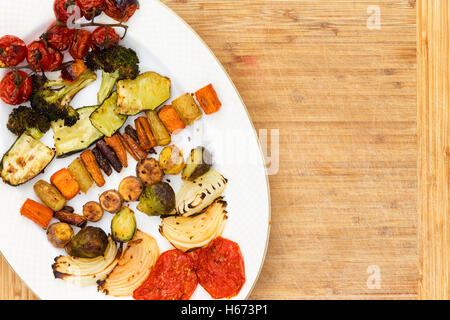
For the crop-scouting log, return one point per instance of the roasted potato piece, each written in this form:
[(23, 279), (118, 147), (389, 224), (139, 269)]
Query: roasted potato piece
[(49, 195), (80, 173), (123, 225), (59, 234), (198, 163), (171, 160), (131, 188), (147, 92), (149, 171), (71, 218), (111, 201), (93, 211), (90, 242), (187, 109), (160, 133), (157, 199)]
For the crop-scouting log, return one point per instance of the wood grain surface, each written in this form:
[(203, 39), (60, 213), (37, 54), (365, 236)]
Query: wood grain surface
[(351, 216)]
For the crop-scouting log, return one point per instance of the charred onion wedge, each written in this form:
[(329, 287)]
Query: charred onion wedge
[(93, 211), (149, 171), (189, 233), (131, 188), (195, 196), (85, 272), (133, 268), (111, 201)]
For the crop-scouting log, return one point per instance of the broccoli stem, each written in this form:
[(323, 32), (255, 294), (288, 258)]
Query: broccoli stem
[(35, 133), (108, 82)]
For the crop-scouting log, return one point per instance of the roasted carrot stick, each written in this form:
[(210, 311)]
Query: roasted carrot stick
[(127, 147), (148, 130), (171, 120), (116, 144), (37, 212), (145, 137), (207, 97), (134, 145), (91, 165), (65, 183)]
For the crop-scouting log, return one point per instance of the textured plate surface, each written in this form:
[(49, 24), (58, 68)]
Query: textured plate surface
[(167, 45)]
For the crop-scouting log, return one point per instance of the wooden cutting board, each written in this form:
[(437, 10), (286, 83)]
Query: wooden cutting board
[(358, 90)]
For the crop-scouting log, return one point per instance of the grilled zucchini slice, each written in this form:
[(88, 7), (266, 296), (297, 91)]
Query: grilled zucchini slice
[(25, 160), (147, 92), (70, 140), (106, 118)]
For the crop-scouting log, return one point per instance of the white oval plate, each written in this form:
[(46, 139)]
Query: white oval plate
[(167, 45)]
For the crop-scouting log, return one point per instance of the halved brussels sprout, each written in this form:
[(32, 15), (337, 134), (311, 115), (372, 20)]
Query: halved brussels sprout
[(157, 199), (123, 225)]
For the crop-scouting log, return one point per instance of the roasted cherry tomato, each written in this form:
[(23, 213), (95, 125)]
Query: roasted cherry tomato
[(91, 8), (43, 56), (61, 9), (12, 51), (103, 37), (10, 91), (59, 38), (81, 44), (121, 10)]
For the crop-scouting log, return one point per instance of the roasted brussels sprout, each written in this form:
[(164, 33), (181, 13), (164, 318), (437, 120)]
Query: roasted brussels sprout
[(123, 225), (131, 188), (198, 163), (171, 160), (149, 171), (59, 234), (157, 199), (90, 242)]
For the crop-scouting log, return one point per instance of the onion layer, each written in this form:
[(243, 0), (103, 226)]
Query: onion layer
[(195, 196), (85, 272), (188, 233), (133, 268)]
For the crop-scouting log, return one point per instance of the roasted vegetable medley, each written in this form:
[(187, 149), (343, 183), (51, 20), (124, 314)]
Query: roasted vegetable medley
[(122, 261)]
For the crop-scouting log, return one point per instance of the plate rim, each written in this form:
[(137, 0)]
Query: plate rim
[(180, 19)]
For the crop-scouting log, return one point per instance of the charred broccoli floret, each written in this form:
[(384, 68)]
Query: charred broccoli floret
[(25, 119), (117, 63), (52, 98)]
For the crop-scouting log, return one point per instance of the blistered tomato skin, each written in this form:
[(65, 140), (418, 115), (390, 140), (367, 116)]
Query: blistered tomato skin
[(172, 278), (91, 8), (12, 51), (61, 9), (59, 38), (81, 45), (121, 10), (42, 56), (220, 268), (101, 39), (9, 92)]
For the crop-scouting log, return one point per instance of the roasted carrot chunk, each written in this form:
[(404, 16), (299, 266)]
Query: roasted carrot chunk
[(207, 97), (65, 183), (171, 120), (91, 165), (36, 212)]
